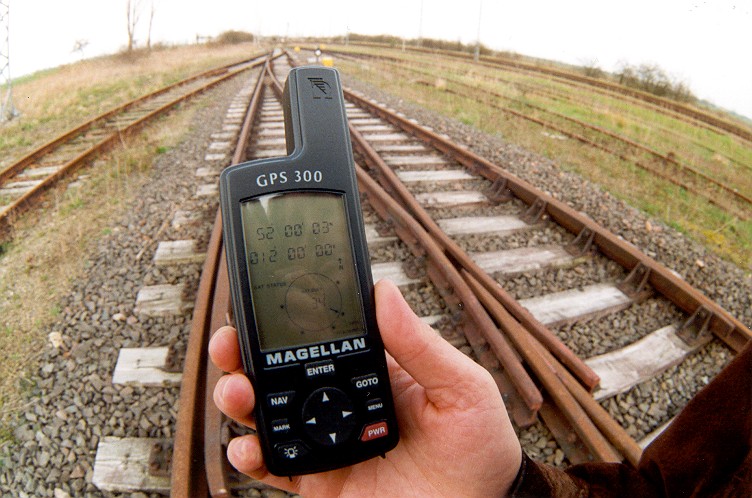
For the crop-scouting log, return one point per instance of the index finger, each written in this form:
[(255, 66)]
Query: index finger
[(224, 349)]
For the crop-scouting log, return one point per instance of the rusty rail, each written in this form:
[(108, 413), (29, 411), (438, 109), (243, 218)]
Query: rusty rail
[(200, 467), (669, 169), (198, 463), (187, 476), (727, 328), (501, 333), (217, 76), (662, 103), (453, 273)]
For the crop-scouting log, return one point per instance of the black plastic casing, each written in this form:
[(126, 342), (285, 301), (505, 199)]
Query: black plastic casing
[(317, 139)]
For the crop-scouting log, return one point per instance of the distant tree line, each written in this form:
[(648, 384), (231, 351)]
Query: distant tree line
[(232, 37), (433, 43), (646, 77), (651, 78)]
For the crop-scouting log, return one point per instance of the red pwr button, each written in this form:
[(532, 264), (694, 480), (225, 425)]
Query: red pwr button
[(374, 431)]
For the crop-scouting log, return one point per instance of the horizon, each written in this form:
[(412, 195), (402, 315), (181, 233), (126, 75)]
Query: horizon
[(698, 44)]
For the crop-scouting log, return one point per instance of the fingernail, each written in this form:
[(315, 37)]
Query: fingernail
[(219, 391), (239, 452)]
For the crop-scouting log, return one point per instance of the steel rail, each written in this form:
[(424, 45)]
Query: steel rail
[(396, 187), (680, 168), (716, 320), (44, 149), (15, 207), (522, 382), (691, 174), (660, 102), (214, 448), (187, 476), (215, 466), (586, 417), (198, 457)]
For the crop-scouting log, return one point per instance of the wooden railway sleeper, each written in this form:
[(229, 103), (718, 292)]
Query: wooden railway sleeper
[(483, 332)]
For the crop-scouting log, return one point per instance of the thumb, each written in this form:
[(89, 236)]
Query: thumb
[(420, 351)]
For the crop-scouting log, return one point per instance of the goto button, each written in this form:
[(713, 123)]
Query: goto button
[(367, 382), (374, 431)]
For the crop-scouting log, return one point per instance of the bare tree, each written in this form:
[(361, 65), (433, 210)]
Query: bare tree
[(133, 11), (151, 20)]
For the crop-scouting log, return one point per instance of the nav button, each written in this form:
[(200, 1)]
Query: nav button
[(280, 400)]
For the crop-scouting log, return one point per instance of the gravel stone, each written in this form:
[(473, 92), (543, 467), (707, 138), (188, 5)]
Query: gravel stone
[(720, 280), (72, 403)]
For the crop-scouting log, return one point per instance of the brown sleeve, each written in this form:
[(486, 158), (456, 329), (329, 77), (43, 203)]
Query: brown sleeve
[(704, 452), (592, 480)]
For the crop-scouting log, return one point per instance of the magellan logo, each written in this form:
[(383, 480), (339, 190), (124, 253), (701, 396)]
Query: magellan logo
[(317, 351)]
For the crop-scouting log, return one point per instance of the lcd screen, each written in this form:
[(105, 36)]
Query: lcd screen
[(301, 269)]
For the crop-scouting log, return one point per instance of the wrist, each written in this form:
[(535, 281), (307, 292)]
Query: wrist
[(514, 488)]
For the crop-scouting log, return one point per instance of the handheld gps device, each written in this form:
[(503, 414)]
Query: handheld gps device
[(302, 290)]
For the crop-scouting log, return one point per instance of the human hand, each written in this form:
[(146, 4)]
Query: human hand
[(455, 436)]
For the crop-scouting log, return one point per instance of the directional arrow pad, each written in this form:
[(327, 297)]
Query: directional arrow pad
[(328, 416)]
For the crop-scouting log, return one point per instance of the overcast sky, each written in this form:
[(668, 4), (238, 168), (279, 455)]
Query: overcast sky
[(706, 44)]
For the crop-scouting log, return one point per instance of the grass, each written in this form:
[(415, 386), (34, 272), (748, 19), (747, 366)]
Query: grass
[(55, 100), (49, 250), (38, 267), (723, 157)]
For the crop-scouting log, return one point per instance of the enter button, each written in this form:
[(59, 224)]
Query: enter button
[(374, 431)]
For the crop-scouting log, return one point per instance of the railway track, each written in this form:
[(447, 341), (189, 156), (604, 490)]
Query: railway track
[(702, 179), (443, 206), (572, 78), (22, 182), (553, 305)]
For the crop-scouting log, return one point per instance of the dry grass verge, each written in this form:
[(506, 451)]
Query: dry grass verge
[(59, 99), (49, 248)]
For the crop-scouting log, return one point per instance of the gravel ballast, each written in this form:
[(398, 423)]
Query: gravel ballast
[(72, 403)]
